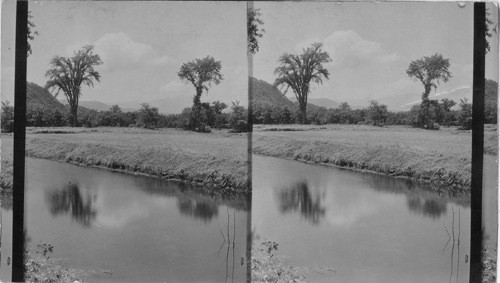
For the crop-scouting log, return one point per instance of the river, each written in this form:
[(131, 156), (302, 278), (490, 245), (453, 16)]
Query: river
[(123, 227), (365, 227)]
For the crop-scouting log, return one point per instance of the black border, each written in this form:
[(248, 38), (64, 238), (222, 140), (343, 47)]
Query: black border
[(18, 239), (476, 245)]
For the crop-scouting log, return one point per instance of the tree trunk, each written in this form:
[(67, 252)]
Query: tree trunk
[(196, 108), (303, 113), (425, 107), (74, 115)]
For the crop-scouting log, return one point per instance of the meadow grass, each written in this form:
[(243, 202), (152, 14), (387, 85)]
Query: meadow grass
[(442, 157), (217, 160)]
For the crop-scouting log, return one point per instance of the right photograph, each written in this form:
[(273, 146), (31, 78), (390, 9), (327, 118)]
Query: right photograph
[(362, 141)]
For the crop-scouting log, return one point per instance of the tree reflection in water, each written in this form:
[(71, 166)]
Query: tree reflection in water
[(6, 202), (69, 200), (297, 197), (198, 209), (429, 207)]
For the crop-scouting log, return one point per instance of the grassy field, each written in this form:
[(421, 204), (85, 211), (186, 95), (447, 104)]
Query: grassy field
[(442, 156), (217, 160)]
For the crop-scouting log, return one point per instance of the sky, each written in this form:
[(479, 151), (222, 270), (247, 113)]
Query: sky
[(142, 45), (371, 44)]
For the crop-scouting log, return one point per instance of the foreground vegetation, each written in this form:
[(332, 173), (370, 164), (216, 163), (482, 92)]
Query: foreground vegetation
[(41, 267), (441, 157), (268, 267), (6, 175), (217, 160), (489, 262)]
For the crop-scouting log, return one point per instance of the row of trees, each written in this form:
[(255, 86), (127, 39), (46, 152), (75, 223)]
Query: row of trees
[(214, 116), (147, 116), (375, 114)]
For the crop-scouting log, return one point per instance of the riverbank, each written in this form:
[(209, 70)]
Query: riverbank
[(217, 161), (439, 157)]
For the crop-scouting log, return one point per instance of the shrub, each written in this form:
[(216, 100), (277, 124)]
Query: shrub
[(7, 117), (465, 115), (148, 116)]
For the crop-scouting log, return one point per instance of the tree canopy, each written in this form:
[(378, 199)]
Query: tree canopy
[(68, 74), (430, 70), (253, 30), (487, 31), (201, 73), (297, 71), (31, 33)]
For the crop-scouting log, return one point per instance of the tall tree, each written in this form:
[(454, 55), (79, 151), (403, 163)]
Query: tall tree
[(201, 73), (487, 31), (67, 74), (297, 72), (429, 70), (253, 30), (31, 32)]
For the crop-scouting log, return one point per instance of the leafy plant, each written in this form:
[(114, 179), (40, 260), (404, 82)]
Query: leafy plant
[(41, 268), (489, 263), (266, 267)]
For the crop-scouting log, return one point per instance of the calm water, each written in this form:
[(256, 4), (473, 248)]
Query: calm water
[(368, 228), (134, 227)]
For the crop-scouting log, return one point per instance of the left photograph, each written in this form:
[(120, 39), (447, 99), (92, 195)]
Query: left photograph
[(136, 141)]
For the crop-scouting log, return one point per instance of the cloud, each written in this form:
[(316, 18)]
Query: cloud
[(403, 84), (163, 60), (349, 50), (174, 87), (437, 95), (451, 91), (120, 52)]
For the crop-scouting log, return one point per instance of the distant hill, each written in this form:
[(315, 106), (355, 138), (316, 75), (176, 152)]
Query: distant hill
[(39, 96), (323, 102), (170, 105), (96, 105), (264, 93), (320, 102), (99, 106)]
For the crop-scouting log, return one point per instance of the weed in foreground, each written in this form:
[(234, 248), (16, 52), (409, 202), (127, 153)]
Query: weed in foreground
[(267, 267)]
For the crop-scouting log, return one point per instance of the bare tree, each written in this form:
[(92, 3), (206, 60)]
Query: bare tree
[(297, 72), (68, 74), (201, 73)]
